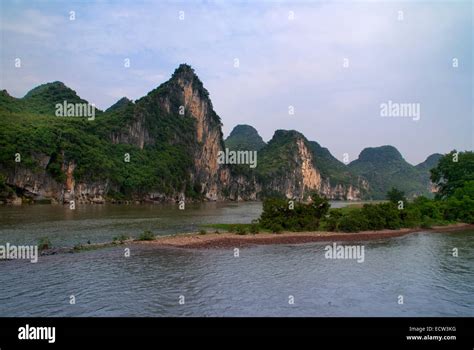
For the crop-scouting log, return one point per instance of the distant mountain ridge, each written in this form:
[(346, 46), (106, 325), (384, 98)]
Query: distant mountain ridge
[(244, 137), (164, 147), (384, 167)]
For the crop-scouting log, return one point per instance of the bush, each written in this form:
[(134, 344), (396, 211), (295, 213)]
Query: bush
[(411, 216), (428, 207), (426, 222), (332, 221), (202, 232), (461, 205), (382, 216), (353, 221), (254, 229), (122, 238), (44, 243), (375, 216), (300, 217), (241, 230), (146, 236), (276, 228)]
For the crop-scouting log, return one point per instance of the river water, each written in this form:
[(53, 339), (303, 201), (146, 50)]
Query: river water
[(261, 281)]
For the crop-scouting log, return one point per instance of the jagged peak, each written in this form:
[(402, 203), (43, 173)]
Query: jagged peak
[(184, 70)]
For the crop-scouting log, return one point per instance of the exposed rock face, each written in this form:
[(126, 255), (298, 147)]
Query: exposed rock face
[(211, 176), (135, 134), (183, 95), (35, 184), (311, 178), (303, 175), (90, 192), (39, 184), (178, 120)]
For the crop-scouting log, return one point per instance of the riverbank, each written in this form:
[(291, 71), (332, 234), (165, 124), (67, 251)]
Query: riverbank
[(226, 240), (230, 240)]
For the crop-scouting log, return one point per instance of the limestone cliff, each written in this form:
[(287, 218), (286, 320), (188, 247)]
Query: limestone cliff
[(162, 147), (290, 165)]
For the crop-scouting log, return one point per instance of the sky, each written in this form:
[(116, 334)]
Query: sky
[(333, 63)]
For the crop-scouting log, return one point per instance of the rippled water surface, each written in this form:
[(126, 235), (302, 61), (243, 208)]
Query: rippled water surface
[(419, 266)]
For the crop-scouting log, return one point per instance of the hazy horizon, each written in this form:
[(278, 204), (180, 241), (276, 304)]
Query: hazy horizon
[(333, 63)]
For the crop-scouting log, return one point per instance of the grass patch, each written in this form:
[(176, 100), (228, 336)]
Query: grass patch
[(146, 236), (241, 229), (121, 239)]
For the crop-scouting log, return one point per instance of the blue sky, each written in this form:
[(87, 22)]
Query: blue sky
[(283, 62)]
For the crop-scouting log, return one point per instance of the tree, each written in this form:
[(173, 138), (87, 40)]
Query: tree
[(293, 216), (460, 206), (452, 172), (395, 196)]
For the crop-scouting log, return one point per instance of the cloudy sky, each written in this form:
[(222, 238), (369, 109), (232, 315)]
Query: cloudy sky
[(288, 53)]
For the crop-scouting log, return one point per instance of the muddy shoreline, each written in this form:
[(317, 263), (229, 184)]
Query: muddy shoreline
[(226, 240), (230, 240)]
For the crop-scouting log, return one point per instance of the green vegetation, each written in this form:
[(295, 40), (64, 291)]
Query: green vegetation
[(202, 232), (44, 243), (395, 196), (241, 229), (121, 239), (455, 203), (330, 167), (162, 145), (244, 138), (453, 172), (384, 168), (164, 164), (277, 158), (279, 214), (254, 228), (146, 236)]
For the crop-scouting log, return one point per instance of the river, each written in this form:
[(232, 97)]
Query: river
[(270, 280)]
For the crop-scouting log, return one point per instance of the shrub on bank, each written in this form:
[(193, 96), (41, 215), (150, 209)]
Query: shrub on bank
[(353, 221), (280, 214), (240, 229), (146, 236), (254, 229), (121, 238)]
